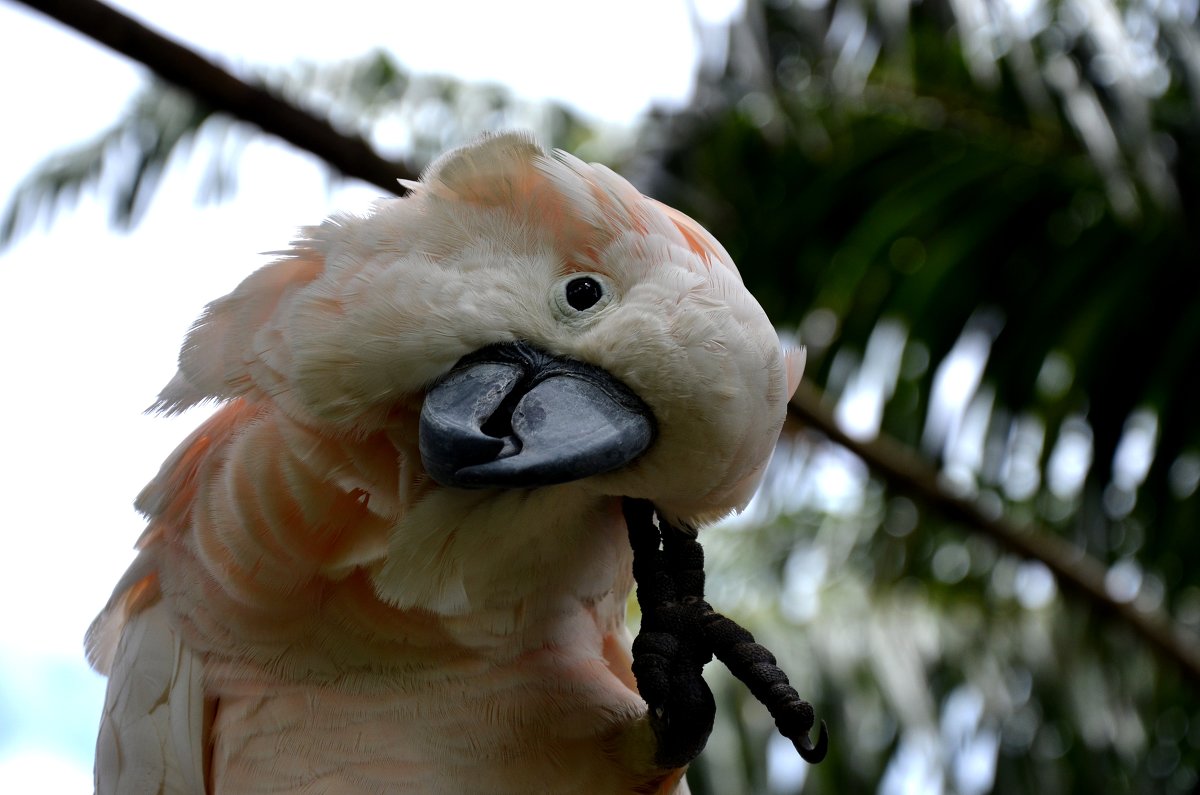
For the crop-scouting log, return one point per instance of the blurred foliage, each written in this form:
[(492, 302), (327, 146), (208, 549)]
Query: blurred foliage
[(412, 117), (982, 219), (980, 216)]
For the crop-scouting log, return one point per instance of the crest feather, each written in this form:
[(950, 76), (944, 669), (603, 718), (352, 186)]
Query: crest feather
[(219, 353)]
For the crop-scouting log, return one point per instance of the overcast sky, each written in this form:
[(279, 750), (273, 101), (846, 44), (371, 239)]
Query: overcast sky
[(91, 321)]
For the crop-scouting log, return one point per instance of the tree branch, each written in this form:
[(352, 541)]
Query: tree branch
[(1074, 569), (211, 84), (900, 467)]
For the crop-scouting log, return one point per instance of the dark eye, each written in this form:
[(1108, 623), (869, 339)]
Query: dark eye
[(583, 293)]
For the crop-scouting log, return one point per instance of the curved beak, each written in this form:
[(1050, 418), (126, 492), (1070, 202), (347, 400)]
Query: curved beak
[(513, 416)]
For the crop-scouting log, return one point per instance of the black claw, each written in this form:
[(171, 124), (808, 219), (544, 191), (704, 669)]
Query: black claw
[(681, 632), (808, 752)]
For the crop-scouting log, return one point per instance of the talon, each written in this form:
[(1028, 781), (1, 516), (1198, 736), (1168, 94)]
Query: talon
[(810, 753)]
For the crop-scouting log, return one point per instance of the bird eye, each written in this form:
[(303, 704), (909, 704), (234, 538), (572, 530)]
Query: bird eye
[(577, 297), (583, 293)]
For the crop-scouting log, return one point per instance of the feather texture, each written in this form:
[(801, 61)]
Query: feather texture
[(309, 611)]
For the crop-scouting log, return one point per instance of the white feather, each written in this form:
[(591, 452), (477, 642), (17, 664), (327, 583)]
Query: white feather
[(152, 729)]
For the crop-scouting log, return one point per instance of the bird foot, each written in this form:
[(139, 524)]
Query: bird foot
[(681, 632)]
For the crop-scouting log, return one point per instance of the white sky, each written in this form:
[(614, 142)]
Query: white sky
[(91, 321)]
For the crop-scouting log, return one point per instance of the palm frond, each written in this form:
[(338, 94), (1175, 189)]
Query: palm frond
[(981, 219), (411, 118)]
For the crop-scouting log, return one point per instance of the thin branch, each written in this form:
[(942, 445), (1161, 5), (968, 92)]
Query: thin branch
[(899, 466), (211, 84), (1075, 570)]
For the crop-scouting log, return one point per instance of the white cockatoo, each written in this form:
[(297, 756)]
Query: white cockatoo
[(395, 559)]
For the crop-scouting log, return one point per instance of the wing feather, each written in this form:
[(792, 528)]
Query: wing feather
[(153, 730)]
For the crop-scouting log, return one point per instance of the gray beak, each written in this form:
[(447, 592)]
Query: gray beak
[(513, 416)]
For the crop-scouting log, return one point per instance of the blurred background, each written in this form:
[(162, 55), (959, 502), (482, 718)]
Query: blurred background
[(980, 217)]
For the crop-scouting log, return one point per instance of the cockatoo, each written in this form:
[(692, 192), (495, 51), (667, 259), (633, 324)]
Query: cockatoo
[(395, 559)]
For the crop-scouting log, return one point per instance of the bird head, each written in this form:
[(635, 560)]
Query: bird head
[(550, 323)]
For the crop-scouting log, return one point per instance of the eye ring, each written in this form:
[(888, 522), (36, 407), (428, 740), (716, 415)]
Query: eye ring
[(577, 297)]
